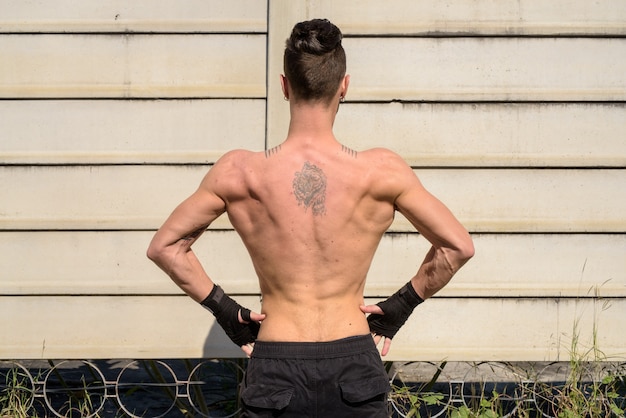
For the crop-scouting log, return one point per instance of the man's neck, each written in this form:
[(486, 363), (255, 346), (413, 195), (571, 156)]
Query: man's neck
[(311, 121)]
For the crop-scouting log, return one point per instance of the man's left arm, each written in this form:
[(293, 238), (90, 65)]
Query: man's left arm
[(451, 248), (170, 249)]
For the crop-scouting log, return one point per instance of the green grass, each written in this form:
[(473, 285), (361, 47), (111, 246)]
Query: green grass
[(16, 398)]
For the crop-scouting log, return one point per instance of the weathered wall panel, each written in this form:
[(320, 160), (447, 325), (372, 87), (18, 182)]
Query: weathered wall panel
[(124, 66), (492, 69), (490, 134), (466, 17), (128, 131), (93, 197), (136, 16)]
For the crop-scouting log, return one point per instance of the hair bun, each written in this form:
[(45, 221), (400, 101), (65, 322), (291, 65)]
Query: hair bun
[(317, 36)]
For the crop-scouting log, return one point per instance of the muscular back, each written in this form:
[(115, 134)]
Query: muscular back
[(311, 217)]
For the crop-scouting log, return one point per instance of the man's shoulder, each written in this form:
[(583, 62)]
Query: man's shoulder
[(227, 176), (383, 156), (235, 158), (398, 174)]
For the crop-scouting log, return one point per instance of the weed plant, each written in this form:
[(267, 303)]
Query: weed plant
[(16, 398)]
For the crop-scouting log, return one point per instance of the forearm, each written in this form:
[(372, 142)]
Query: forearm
[(435, 272), (438, 267)]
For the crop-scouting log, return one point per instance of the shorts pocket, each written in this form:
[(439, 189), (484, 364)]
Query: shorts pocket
[(266, 396), (357, 391)]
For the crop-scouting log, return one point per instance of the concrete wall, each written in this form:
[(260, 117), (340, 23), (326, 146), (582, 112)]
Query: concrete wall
[(512, 112)]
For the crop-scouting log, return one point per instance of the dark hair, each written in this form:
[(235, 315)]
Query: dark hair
[(314, 61)]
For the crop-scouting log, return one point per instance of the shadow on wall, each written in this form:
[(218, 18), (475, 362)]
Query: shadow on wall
[(218, 345)]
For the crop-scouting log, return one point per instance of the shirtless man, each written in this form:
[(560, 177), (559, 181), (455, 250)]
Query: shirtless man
[(311, 213)]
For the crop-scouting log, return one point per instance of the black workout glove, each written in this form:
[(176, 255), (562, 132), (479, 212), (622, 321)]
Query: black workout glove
[(226, 312), (397, 309)]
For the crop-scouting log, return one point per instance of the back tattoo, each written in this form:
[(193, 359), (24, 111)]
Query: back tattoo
[(272, 151), (309, 187), (348, 151)]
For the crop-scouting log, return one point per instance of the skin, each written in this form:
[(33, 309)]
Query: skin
[(311, 213)]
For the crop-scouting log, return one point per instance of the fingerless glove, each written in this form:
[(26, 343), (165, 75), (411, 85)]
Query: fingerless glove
[(226, 312), (397, 309)]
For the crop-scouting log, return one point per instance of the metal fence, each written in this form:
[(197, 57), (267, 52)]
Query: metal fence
[(208, 388), (143, 388), (495, 389)]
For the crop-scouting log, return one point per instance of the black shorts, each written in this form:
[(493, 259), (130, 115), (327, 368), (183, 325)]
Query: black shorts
[(343, 378)]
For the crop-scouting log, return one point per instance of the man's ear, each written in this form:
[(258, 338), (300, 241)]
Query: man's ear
[(284, 84), (344, 85)]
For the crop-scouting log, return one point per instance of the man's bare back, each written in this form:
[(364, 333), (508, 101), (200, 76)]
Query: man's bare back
[(311, 213), (311, 217)]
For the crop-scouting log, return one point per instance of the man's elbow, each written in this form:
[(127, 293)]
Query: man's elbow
[(466, 249), (155, 253)]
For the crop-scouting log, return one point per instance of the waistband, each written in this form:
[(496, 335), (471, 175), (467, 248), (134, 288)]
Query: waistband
[(314, 350)]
